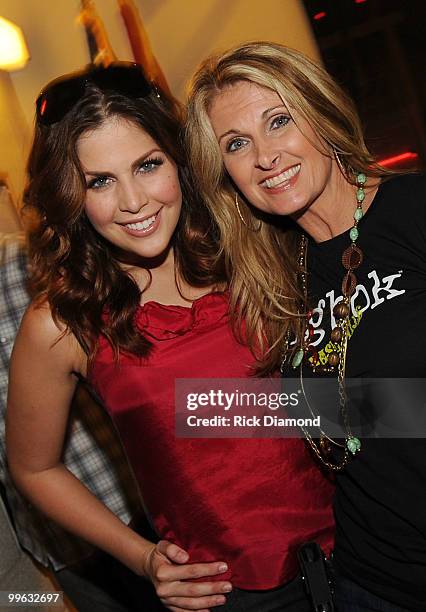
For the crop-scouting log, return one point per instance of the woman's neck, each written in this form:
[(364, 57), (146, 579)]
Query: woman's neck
[(331, 214), (163, 283)]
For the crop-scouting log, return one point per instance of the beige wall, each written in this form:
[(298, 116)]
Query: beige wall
[(14, 136), (182, 32)]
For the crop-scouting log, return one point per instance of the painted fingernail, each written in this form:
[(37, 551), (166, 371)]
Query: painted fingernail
[(223, 567), (227, 588)]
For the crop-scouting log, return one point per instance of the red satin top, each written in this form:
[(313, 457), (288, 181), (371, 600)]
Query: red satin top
[(249, 502)]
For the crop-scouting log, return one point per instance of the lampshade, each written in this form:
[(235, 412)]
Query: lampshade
[(13, 49)]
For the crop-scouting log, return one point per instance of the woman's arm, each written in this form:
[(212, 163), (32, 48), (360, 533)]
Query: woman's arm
[(42, 382)]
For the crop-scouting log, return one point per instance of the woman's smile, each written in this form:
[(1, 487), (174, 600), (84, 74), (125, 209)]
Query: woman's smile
[(272, 155), (144, 226), (283, 180), (133, 196)]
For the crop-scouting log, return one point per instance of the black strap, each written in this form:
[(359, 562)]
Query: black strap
[(316, 577)]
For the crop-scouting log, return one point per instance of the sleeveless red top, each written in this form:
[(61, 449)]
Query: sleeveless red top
[(249, 502)]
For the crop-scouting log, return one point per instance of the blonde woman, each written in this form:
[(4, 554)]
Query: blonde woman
[(276, 144)]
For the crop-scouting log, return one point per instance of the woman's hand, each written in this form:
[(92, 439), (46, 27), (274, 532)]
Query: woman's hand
[(166, 566)]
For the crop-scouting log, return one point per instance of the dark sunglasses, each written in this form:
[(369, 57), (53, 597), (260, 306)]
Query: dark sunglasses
[(62, 94)]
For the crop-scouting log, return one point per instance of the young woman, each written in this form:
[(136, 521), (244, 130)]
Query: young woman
[(271, 133), (129, 296)]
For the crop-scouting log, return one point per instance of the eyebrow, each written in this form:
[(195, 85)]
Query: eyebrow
[(272, 109), (263, 116), (134, 165)]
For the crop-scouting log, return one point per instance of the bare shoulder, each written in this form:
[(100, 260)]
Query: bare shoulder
[(38, 327), (40, 334)]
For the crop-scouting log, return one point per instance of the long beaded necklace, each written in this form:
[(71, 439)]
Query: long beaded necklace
[(352, 258)]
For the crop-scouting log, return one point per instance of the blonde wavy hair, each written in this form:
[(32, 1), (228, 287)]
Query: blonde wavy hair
[(263, 264)]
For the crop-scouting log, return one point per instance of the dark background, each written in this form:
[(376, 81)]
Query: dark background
[(376, 49)]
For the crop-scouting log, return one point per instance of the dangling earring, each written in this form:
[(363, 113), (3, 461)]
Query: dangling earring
[(252, 229), (343, 170)]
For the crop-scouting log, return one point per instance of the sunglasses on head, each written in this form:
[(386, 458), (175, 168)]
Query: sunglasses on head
[(63, 93)]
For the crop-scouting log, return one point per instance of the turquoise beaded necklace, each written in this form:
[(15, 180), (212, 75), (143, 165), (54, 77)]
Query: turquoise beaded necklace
[(352, 258)]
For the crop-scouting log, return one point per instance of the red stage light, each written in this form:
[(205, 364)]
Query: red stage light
[(390, 161), (360, 1), (320, 15)]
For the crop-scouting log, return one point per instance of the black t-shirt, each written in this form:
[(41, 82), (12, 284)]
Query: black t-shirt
[(380, 502)]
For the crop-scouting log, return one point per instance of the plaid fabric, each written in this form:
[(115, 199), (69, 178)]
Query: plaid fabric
[(92, 450)]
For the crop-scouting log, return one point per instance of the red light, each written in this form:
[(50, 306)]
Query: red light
[(390, 161), (320, 15), (360, 1), (43, 106)]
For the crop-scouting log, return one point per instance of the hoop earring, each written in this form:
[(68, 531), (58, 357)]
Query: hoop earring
[(343, 170), (252, 229)]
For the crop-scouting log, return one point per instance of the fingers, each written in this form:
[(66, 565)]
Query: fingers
[(174, 609), (201, 603), (173, 576), (190, 571), (172, 551), (193, 590)]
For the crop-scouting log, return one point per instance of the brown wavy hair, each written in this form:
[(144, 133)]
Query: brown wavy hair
[(263, 264), (75, 269)]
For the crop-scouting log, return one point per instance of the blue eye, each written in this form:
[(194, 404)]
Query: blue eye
[(150, 164), (99, 182), (235, 145), (279, 121)]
